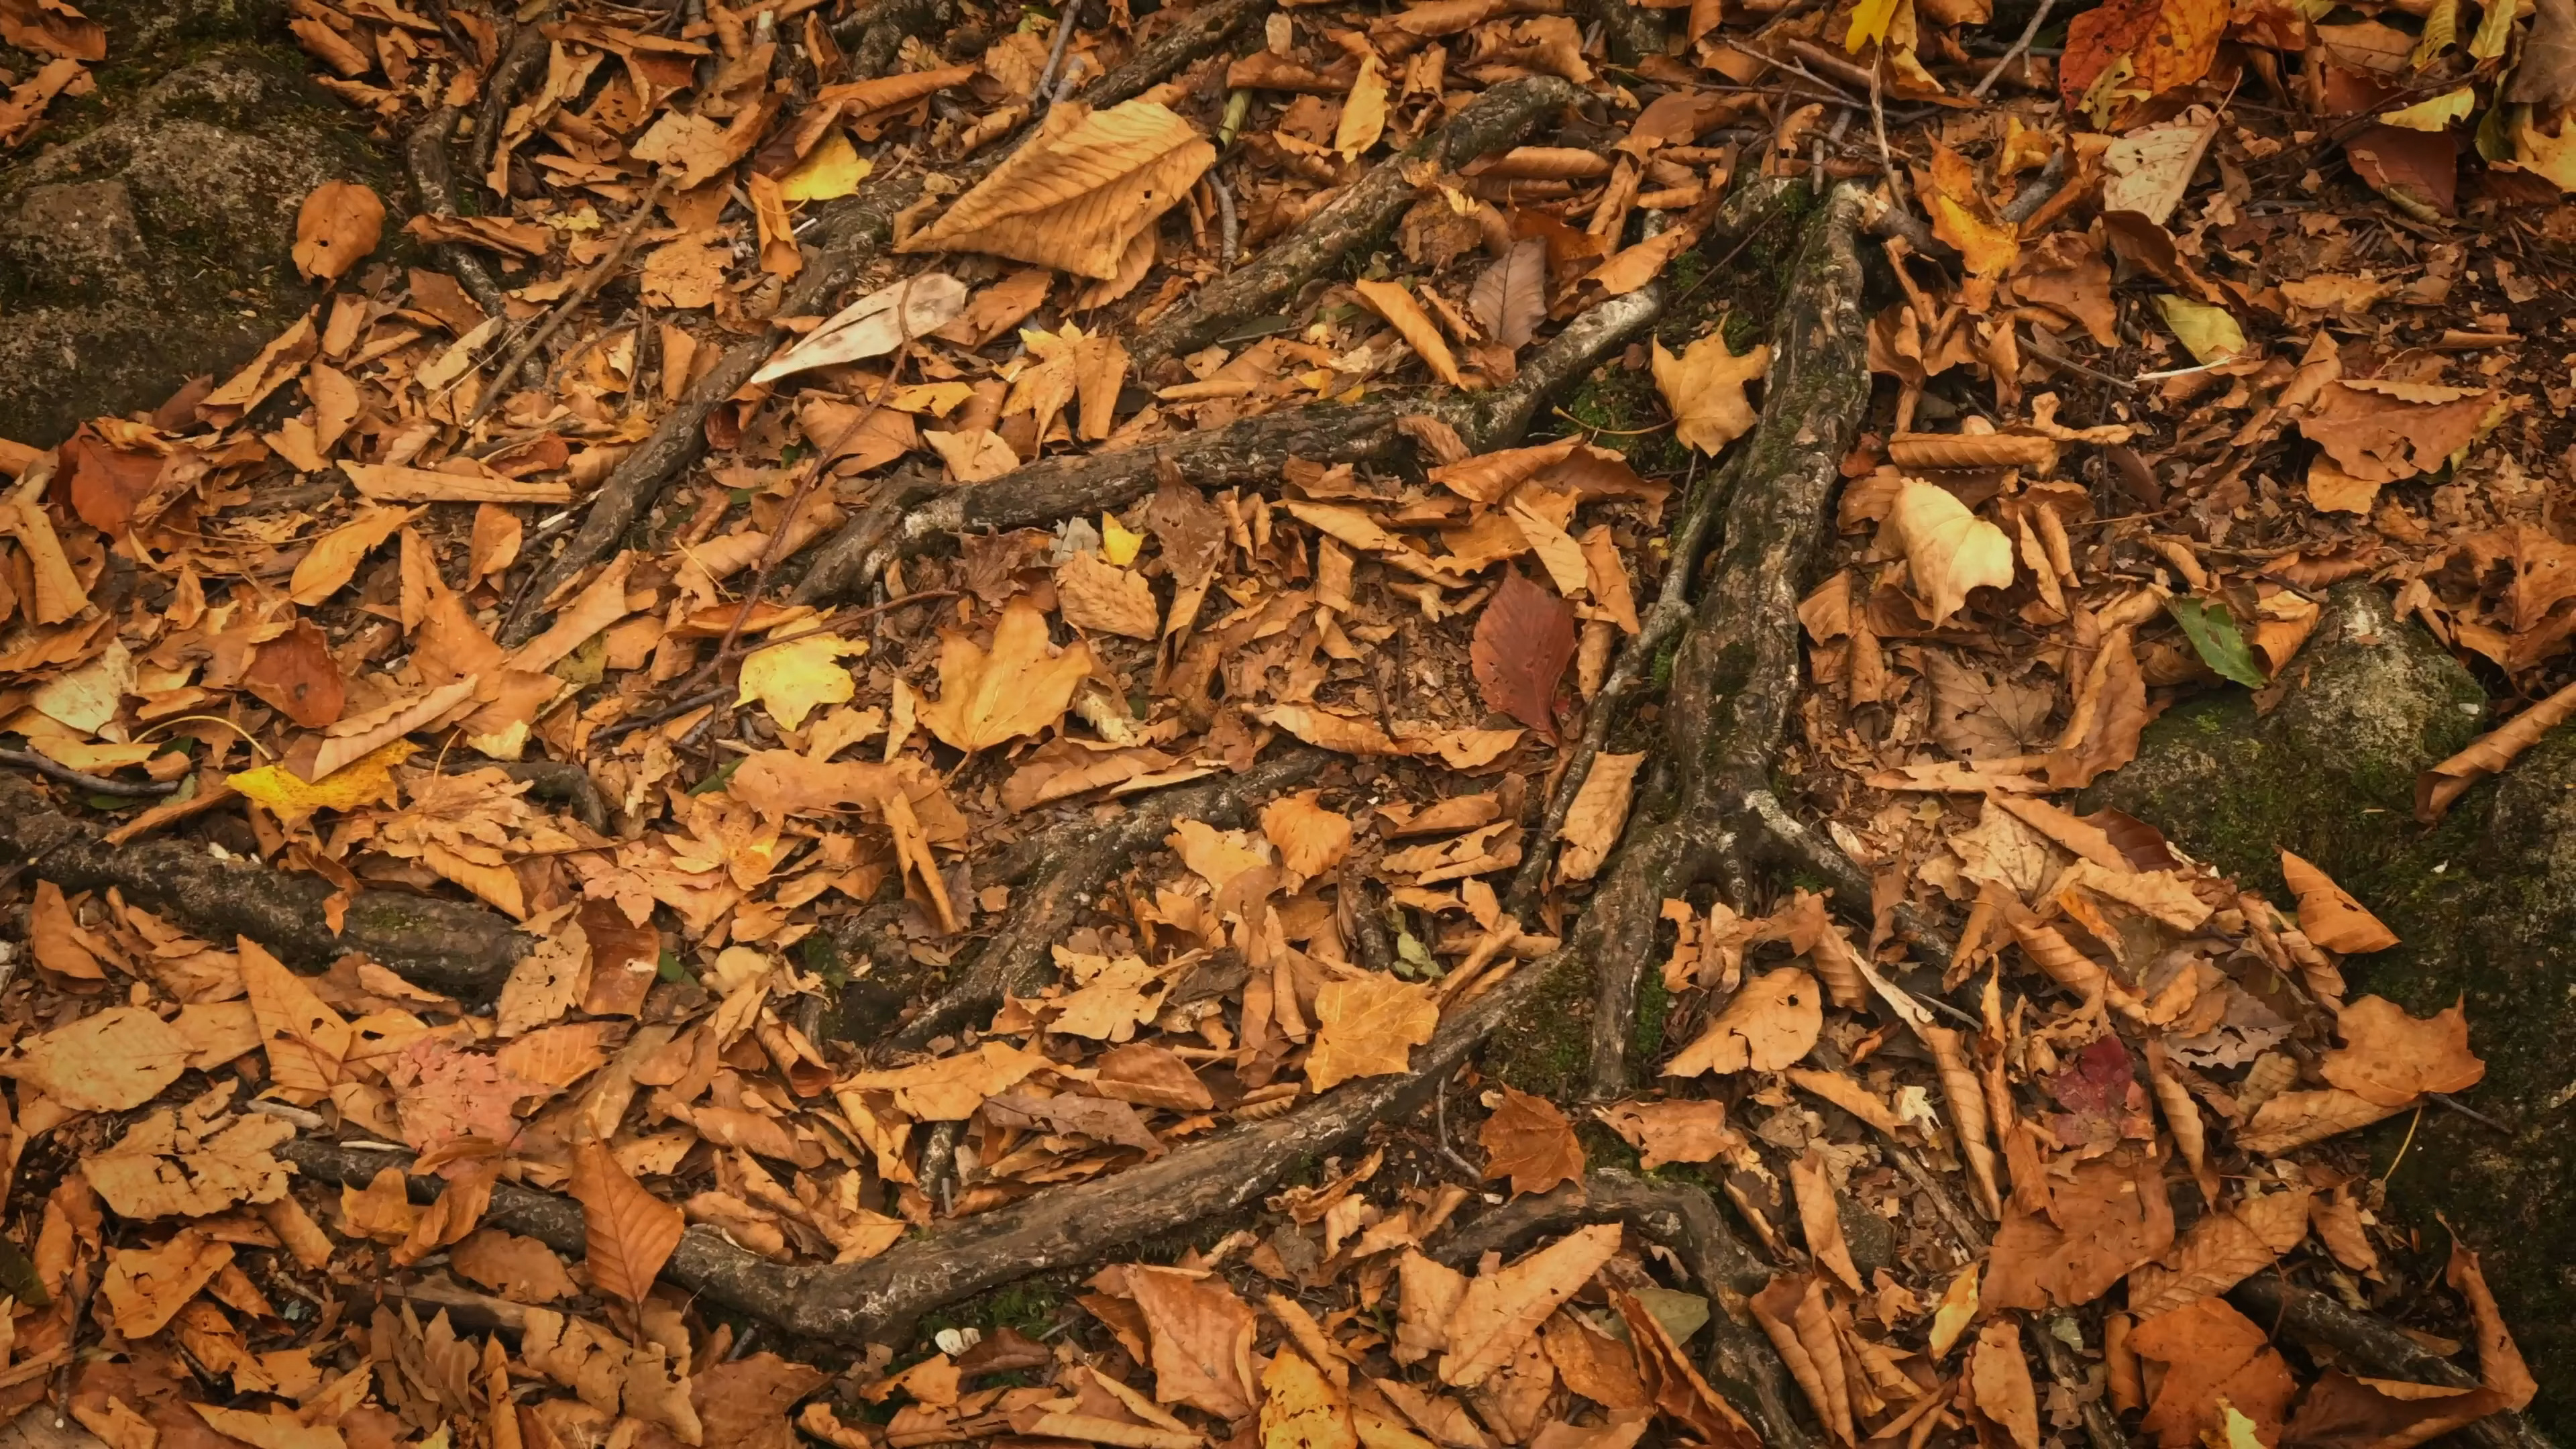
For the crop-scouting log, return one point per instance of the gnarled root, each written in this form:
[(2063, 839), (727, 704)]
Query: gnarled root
[(433, 181), (1742, 1362), (2375, 1345)]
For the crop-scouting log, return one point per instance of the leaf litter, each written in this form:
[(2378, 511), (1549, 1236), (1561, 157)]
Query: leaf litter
[(1993, 632)]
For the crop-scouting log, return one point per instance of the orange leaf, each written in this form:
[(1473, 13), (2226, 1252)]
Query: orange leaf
[(1397, 306), (2329, 916), (2391, 1058), (628, 1232), (1529, 1141), (1501, 1309)]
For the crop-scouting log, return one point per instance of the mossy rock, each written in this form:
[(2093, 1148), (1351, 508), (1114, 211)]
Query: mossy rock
[(2484, 905), (145, 232)]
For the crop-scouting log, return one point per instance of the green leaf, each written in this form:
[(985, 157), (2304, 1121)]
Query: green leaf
[(721, 778), (669, 967), (1412, 958), (18, 1276), (2221, 647)]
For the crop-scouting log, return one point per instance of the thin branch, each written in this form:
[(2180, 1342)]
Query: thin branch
[(2029, 33)]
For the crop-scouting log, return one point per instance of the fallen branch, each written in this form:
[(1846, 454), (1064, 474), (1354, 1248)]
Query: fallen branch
[(1496, 119), (851, 234), (2375, 1345), (447, 946), (1742, 1362), (522, 61), (435, 184), (591, 281), (879, 1301), (95, 784), (1020, 959)]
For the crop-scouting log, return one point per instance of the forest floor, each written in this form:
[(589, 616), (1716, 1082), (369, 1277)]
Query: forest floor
[(1308, 725)]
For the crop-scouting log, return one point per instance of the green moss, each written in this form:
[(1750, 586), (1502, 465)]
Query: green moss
[(1621, 409), (1654, 1003), (1546, 1048), (1029, 1306)]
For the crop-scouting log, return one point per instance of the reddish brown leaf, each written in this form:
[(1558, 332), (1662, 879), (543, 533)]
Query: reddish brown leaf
[(1524, 639), (1529, 1141)]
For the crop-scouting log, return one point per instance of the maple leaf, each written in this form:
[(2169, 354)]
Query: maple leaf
[(987, 698), (1705, 389), (794, 679), (2392, 1059), (1978, 716), (1367, 1026), (1523, 641), (1676, 1131), (628, 1233), (1529, 1141)]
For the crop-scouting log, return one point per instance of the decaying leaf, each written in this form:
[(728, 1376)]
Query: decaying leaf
[(1529, 1141), (1705, 389), (1079, 191)]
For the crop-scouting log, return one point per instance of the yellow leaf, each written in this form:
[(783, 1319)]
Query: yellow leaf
[(1958, 1308), (1363, 112), (367, 780), (1949, 549), (1300, 1408), (1773, 1021), (2436, 114), (1869, 21), (2495, 29), (2553, 157), (987, 698), (1311, 839), (790, 680), (1705, 389), (1369, 1026), (1118, 543), (2208, 333), (1397, 306), (834, 168), (1078, 192)]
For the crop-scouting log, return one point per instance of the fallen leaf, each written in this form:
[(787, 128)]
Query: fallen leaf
[(146, 1287), (1397, 306), (334, 558), (2392, 1059), (1705, 389), (1674, 1131), (2213, 1355), (522, 1270), (337, 228), (1367, 1026), (2209, 333), (1771, 1022), (2329, 917), (1501, 1309), (792, 680), (1363, 118), (2490, 753), (107, 1061), (628, 1233), (2500, 1363), (1311, 839), (1820, 1216), (1015, 689), (1300, 1408), (1949, 550), (296, 673), (1529, 1141), (159, 1169), (1509, 299), (1075, 194), (1999, 1376), (1202, 1340), (1524, 639), (874, 325), (307, 1041), (1594, 820), (1098, 595)]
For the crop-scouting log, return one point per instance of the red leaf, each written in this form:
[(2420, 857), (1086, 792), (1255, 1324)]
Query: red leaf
[(1524, 640), (105, 482), (2422, 166)]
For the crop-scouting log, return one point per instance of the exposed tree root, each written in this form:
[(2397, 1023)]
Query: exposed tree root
[(1019, 960), (852, 233), (448, 946), (880, 1300), (1709, 814), (1742, 1362), (2375, 1346), (1492, 121), (522, 61), (434, 181)]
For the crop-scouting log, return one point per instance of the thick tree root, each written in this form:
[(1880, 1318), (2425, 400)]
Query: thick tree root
[(1742, 1362), (2374, 1346), (1712, 815), (852, 234), (881, 1299), (447, 946), (1020, 959), (1496, 119), (434, 182)]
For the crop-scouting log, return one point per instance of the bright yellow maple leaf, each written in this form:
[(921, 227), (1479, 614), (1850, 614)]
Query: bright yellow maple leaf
[(792, 679), (366, 780)]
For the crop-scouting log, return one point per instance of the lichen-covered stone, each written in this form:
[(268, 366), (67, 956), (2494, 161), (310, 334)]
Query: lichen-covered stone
[(145, 232), (2484, 905)]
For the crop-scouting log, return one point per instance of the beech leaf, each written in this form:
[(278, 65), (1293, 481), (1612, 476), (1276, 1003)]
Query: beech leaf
[(1523, 641), (628, 1233)]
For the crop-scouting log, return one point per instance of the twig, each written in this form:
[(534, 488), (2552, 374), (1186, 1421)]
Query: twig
[(589, 285), (1044, 96), (95, 784), (1440, 1113), (2444, 1099), (2029, 33), (1228, 230)]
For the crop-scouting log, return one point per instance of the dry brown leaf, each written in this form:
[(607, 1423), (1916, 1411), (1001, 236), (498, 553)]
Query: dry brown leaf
[(1363, 118), (1674, 1383), (1302, 1409), (1599, 811), (1678, 1131), (1098, 595), (1949, 549), (146, 1287), (2295, 1119), (522, 1270), (1501, 1309), (107, 1061), (2111, 1217), (1367, 1026), (1202, 1340), (1018, 687), (334, 558), (2222, 1250), (2391, 1058), (1078, 191), (1999, 1377), (2500, 1362), (628, 1233), (1529, 1141), (163, 1167), (2213, 1355), (307, 1041), (1524, 639), (339, 225), (2328, 916), (1770, 1023), (1705, 389), (1593, 1364), (1397, 306), (2489, 754), (1820, 1214), (1310, 838)]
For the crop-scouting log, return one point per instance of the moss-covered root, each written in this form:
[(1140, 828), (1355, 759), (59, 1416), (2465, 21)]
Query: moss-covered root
[(1737, 677), (1742, 1363)]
